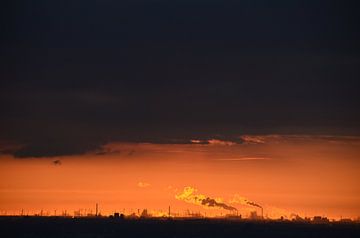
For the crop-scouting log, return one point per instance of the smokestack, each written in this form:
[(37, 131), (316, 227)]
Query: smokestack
[(96, 211), (169, 211)]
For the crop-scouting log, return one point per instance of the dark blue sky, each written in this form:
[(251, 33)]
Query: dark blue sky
[(77, 74)]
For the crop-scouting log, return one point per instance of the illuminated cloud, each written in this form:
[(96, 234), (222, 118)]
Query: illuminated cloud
[(213, 142), (187, 195), (253, 139), (260, 139), (220, 142), (143, 184), (276, 139), (197, 141)]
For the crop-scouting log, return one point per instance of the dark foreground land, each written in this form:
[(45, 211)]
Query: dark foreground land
[(104, 227)]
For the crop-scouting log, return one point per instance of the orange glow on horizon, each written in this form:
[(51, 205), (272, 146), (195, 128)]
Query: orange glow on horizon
[(286, 175)]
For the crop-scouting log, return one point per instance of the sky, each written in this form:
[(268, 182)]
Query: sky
[(286, 175), (175, 94)]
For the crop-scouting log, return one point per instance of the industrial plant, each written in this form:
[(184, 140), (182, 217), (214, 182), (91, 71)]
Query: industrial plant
[(141, 214)]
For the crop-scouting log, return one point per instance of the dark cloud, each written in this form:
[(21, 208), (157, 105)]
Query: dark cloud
[(7, 147), (254, 204), (57, 147), (77, 75), (57, 162), (212, 203)]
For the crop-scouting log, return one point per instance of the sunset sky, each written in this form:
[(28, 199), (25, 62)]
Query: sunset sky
[(287, 175), (131, 104)]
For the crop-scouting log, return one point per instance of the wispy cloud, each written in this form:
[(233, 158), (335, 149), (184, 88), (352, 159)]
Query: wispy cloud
[(259, 139), (220, 142), (8, 147), (213, 142), (276, 139), (243, 201), (244, 159)]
